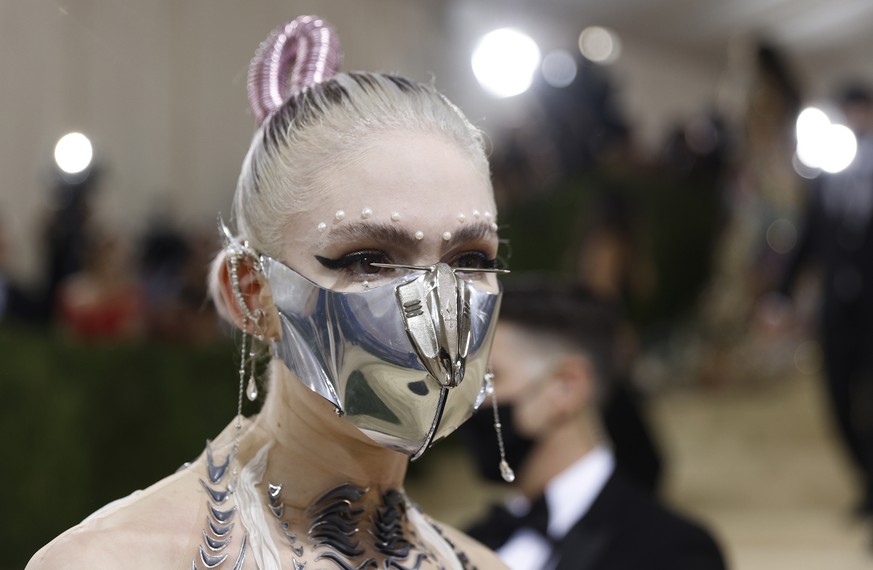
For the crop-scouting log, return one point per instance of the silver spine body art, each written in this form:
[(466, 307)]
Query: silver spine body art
[(404, 362), (217, 534)]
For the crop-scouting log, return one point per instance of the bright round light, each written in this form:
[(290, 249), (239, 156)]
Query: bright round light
[(822, 144), (599, 45), (559, 68), (841, 150), (504, 62), (811, 123), (73, 153)]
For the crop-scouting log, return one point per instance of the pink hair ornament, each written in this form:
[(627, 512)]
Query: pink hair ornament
[(296, 55)]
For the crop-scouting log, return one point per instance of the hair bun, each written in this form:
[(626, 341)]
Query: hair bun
[(294, 56)]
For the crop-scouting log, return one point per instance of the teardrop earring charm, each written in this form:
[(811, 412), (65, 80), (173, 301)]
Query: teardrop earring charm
[(252, 386), (252, 389), (505, 470)]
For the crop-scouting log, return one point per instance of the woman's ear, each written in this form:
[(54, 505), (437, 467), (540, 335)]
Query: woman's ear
[(255, 292)]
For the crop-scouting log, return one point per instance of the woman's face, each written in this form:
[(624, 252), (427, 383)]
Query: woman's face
[(409, 198)]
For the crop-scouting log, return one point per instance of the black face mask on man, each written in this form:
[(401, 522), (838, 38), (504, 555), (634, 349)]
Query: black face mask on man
[(478, 435)]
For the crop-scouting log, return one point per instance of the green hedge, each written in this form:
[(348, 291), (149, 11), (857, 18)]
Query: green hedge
[(85, 424)]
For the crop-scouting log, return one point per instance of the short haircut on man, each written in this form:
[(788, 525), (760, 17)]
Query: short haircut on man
[(555, 307)]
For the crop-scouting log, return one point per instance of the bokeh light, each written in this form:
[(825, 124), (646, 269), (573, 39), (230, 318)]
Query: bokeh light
[(505, 61), (599, 45), (559, 68), (781, 235), (808, 357), (821, 144), (73, 153)]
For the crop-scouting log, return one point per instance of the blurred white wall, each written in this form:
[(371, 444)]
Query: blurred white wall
[(159, 87)]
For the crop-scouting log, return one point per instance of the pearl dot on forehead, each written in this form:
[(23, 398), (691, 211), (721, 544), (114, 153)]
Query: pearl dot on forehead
[(340, 214), (322, 226), (366, 213), (488, 216), (447, 236), (419, 235), (395, 216), (476, 213), (462, 218), (493, 226)]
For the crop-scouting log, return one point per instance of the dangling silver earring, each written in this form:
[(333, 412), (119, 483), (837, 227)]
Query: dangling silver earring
[(234, 252), (252, 386), (505, 470)]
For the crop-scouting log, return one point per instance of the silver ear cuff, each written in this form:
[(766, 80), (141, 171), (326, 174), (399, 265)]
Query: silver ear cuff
[(505, 470), (253, 318), (236, 250)]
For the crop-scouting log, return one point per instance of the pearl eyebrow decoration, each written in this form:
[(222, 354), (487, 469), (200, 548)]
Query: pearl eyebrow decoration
[(395, 216), (419, 235), (340, 214), (488, 216), (322, 226), (447, 236), (366, 213), (476, 214), (462, 218), (494, 226)]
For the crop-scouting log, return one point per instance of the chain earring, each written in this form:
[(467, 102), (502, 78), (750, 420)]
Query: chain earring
[(236, 251), (505, 470)]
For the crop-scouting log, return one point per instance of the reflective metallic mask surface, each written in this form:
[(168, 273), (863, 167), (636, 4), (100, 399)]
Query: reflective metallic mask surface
[(404, 362)]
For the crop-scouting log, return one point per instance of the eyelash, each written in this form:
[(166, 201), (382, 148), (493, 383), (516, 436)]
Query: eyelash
[(363, 259)]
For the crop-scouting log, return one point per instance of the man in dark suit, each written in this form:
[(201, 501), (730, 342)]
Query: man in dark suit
[(553, 351), (837, 234)]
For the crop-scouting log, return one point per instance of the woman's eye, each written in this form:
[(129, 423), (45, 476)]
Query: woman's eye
[(358, 262), (475, 260)]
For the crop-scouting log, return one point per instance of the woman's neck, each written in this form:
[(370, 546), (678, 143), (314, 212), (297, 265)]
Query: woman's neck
[(313, 450)]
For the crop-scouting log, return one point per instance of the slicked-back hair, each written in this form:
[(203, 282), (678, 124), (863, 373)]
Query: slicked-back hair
[(326, 125)]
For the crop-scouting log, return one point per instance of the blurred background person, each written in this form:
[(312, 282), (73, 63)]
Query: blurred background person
[(611, 266), (67, 233), (760, 97), (553, 358), (103, 300), (16, 304), (173, 267), (837, 239)]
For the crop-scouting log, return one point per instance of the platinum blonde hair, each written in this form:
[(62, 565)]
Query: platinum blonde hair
[(324, 126)]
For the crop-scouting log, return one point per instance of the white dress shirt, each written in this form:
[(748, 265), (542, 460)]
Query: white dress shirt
[(569, 495)]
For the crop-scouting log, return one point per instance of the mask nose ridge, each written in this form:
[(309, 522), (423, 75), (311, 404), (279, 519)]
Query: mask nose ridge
[(436, 313)]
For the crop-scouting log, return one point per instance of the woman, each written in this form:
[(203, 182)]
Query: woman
[(364, 257)]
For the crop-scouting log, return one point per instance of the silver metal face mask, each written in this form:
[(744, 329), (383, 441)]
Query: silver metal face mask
[(393, 359)]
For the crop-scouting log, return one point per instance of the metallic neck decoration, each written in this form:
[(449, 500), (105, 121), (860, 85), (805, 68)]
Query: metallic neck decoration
[(352, 533), (219, 521), (393, 358), (347, 527)]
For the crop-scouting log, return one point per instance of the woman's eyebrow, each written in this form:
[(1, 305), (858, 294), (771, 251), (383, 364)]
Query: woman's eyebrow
[(378, 232), (471, 232)]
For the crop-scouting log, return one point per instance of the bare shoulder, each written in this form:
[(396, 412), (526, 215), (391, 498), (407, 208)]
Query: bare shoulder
[(151, 528), (478, 555)]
